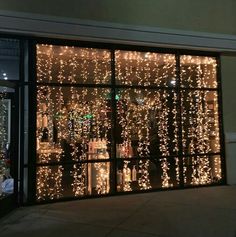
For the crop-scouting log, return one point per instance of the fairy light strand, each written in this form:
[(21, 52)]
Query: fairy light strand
[(200, 134)]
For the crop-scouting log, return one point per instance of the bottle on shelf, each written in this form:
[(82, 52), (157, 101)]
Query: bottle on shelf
[(42, 123), (134, 174), (45, 132), (130, 150), (39, 120), (44, 135), (119, 177), (127, 174)]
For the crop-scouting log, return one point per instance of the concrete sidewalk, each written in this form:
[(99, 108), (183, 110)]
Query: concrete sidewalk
[(203, 212)]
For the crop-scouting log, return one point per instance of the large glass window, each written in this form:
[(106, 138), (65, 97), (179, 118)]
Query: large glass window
[(62, 64), (120, 121)]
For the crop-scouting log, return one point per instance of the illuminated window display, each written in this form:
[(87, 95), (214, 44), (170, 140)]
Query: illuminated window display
[(121, 121), (5, 174)]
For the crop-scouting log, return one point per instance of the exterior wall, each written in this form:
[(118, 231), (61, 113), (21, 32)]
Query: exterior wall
[(213, 16), (229, 112), (207, 16)]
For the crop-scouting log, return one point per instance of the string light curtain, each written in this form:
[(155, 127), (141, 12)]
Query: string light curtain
[(164, 124)]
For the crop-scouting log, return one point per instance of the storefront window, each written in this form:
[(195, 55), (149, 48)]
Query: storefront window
[(154, 126), (145, 68), (62, 64)]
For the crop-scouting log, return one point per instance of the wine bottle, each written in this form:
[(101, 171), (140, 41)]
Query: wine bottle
[(119, 177), (44, 135), (134, 174), (127, 174), (45, 121)]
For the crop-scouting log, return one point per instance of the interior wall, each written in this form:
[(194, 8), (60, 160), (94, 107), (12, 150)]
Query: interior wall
[(202, 15)]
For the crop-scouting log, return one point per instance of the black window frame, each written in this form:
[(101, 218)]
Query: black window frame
[(112, 47)]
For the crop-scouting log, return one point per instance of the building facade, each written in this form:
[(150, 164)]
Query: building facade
[(103, 104)]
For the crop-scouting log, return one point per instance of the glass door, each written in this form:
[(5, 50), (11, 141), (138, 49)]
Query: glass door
[(8, 150), (9, 120)]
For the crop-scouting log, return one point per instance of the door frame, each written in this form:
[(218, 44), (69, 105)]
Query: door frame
[(10, 202)]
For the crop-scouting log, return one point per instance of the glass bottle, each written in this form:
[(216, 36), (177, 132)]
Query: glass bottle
[(134, 174)]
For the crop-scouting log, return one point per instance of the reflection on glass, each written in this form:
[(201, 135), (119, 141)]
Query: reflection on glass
[(200, 125), (66, 64), (73, 124), (202, 170), (145, 68), (198, 71)]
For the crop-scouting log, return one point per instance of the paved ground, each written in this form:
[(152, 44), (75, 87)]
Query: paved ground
[(206, 212)]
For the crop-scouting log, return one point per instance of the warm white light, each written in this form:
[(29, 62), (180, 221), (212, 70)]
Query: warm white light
[(143, 115), (70, 118)]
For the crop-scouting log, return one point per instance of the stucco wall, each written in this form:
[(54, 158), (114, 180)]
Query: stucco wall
[(202, 15), (229, 92), (229, 111)]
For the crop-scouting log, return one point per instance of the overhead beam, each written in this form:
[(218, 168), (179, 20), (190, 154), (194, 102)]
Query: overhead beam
[(59, 27)]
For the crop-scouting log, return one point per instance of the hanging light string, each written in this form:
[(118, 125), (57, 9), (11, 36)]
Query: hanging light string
[(143, 74), (142, 113), (197, 138), (49, 179), (81, 117)]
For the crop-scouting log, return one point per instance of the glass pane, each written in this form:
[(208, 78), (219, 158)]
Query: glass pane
[(202, 170), (73, 124), (64, 64), (75, 180), (147, 174), (9, 59), (6, 174), (198, 71), (200, 124), (169, 171), (49, 182), (99, 178), (146, 123), (137, 175), (145, 68)]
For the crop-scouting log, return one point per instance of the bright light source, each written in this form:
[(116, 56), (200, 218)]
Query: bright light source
[(5, 78), (147, 55), (173, 82), (4, 74)]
